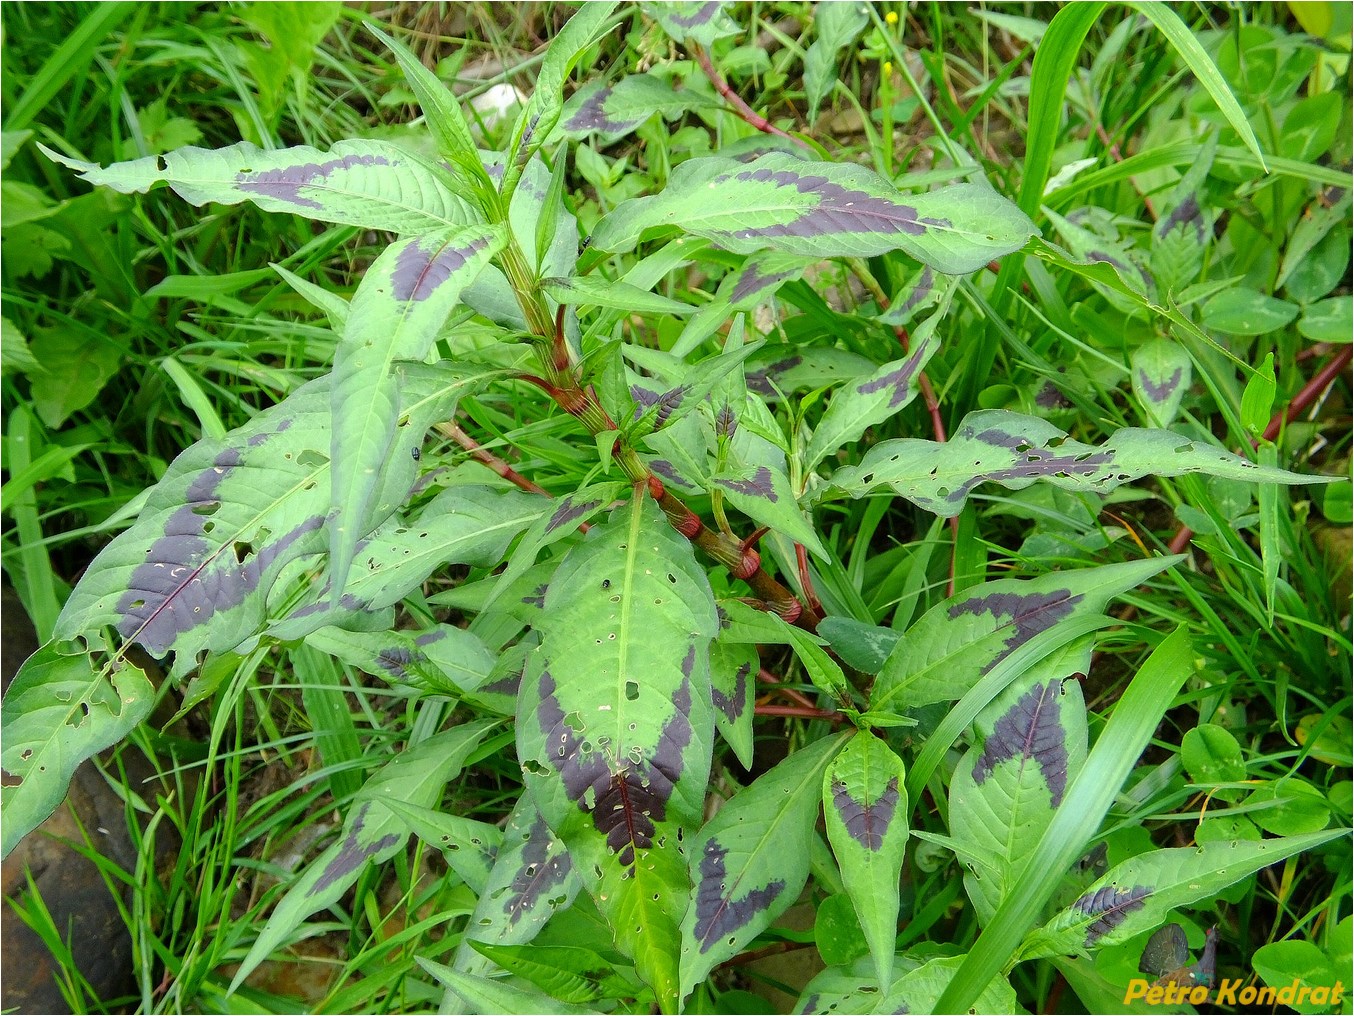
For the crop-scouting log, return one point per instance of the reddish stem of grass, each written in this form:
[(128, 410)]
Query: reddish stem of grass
[(480, 454)]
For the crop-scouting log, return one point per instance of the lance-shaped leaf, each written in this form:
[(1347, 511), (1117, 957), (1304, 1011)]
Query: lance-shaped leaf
[(1162, 372), (371, 832), (572, 974), (531, 880), (700, 21), (761, 275), (919, 990), (763, 494), (443, 659), (396, 313), (865, 806), (820, 209), (615, 725), (677, 388), (863, 646), (866, 401), (195, 569), (1016, 451), (594, 291), (1136, 896), (733, 679), (58, 712), (371, 184), (779, 370), (484, 994), (542, 111), (615, 110), (835, 26), (955, 642), (1031, 743), (752, 859)]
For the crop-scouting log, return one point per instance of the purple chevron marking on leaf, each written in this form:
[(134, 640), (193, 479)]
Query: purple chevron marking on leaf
[(839, 209), (761, 381), (758, 486), (568, 511), (395, 661), (668, 471), (667, 402), (700, 16), (1029, 613), (542, 870), (430, 637), (899, 380), (285, 183), (419, 272), (866, 821), (503, 686), (185, 579), (717, 913), (537, 598), (1030, 730), (1163, 391), (353, 853), (1184, 214), (1050, 396), (592, 116), (1037, 462), (1110, 907), (624, 804), (751, 281), (920, 291), (732, 705)]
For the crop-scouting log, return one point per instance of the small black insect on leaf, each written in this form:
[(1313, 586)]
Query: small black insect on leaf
[(416, 453)]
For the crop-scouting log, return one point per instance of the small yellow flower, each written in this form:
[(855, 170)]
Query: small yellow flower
[(888, 68), (891, 18)]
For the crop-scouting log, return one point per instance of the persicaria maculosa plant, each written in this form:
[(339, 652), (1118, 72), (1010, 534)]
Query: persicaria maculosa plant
[(602, 639)]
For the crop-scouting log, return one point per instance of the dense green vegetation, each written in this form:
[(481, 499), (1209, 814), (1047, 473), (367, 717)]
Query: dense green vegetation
[(946, 417)]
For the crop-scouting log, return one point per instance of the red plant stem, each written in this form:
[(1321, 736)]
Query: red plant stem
[(766, 677), (480, 454), (1309, 393), (810, 597), (746, 112), (771, 950)]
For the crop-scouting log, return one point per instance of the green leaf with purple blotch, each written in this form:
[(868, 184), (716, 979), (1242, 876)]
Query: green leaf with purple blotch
[(700, 21), (441, 660), (1030, 744), (532, 879), (615, 725), (865, 807), (1137, 895), (865, 401), (762, 493), (613, 111), (959, 640), (1016, 451), (751, 860), (1162, 372), (59, 711), (675, 388), (371, 832), (757, 280), (371, 184), (821, 209), (541, 113), (782, 370), (395, 315), (733, 679)]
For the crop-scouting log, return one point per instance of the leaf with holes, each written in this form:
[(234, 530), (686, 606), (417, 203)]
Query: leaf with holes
[(1136, 896), (615, 724), (1016, 451), (371, 184), (1162, 372), (616, 110), (818, 209), (371, 832), (396, 313), (59, 711), (532, 879), (1031, 743), (958, 641), (751, 860), (763, 494), (468, 846), (865, 401), (865, 805)]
